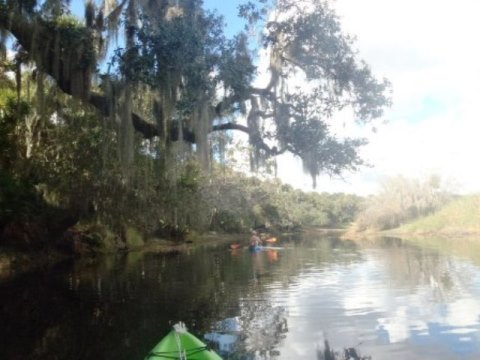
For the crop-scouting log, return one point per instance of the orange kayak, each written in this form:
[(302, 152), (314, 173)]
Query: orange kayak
[(235, 246)]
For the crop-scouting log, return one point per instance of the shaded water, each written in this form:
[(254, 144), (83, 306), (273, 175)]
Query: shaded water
[(389, 300)]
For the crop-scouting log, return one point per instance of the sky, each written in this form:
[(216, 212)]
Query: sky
[(429, 51)]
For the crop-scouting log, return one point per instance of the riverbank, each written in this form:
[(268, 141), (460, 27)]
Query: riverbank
[(92, 244), (14, 262), (458, 218)]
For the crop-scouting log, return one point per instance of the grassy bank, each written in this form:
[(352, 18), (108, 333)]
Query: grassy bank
[(459, 217)]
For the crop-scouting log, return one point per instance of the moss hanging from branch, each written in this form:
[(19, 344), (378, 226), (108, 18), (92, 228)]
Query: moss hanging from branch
[(126, 133), (202, 122)]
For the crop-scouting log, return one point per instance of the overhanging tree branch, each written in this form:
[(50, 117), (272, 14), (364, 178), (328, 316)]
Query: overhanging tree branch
[(65, 69), (258, 140), (54, 64)]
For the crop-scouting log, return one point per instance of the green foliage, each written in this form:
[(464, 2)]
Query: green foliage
[(12, 119), (133, 238), (16, 197), (75, 41), (226, 221), (240, 203)]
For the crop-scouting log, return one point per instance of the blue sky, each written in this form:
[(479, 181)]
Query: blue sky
[(229, 10)]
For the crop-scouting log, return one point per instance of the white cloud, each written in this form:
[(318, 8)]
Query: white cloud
[(427, 50)]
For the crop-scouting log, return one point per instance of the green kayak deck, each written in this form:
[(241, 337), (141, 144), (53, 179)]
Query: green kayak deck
[(179, 344)]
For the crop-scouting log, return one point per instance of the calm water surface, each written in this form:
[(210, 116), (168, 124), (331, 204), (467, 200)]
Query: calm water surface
[(389, 299)]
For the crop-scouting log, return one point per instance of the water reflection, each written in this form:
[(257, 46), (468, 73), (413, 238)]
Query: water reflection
[(399, 302), (390, 300), (254, 334)]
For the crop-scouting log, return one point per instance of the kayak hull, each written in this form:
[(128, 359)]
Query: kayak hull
[(181, 345)]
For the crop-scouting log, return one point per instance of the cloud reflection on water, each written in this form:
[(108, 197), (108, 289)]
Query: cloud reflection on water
[(395, 304)]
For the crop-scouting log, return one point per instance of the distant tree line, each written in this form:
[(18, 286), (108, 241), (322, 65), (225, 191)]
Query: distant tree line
[(238, 202), (401, 200)]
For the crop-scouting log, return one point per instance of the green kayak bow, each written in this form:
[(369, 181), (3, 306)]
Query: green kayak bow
[(179, 344)]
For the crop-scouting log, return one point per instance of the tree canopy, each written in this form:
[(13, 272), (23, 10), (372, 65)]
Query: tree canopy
[(176, 77)]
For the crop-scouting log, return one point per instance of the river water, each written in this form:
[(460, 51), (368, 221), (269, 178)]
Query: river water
[(388, 299)]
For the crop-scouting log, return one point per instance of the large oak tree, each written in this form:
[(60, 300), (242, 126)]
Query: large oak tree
[(176, 77)]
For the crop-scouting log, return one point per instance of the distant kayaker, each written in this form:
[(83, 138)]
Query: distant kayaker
[(255, 239)]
